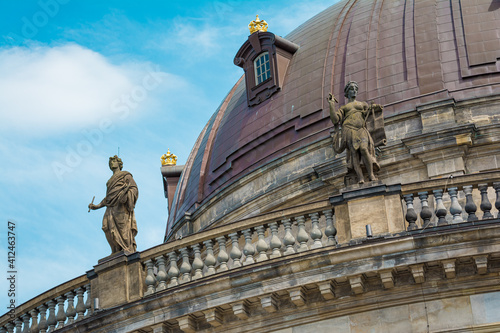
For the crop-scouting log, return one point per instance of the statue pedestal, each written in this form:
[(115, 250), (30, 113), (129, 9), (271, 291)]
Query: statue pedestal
[(117, 279), (371, 203)]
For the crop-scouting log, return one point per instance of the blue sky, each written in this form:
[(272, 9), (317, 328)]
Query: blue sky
[(78, 79)]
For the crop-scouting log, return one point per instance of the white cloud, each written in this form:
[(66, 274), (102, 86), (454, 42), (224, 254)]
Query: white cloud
[(46, 89)]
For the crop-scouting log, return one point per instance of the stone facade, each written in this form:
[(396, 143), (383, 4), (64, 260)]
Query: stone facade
[(263, 235)]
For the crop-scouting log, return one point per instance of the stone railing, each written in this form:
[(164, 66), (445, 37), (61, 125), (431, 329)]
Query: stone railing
[(39, 315), (239, 244), (268, 237), (451, 200), (307, 227)]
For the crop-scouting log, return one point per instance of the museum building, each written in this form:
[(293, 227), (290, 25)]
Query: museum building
[(271, 227)]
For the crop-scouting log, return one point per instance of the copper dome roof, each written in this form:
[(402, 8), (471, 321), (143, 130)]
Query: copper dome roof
[(402, 54)]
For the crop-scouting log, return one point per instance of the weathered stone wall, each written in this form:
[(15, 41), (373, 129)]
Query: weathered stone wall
[(475, 313)]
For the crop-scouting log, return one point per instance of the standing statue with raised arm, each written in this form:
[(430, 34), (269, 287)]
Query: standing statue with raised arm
[(119, 224), (359, 129)]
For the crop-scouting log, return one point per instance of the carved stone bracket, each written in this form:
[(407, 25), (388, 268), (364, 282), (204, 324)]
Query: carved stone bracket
[(269, 303), (187, 324), (214, 317), (418, 273), (161, 328), (298, 295), (357, 284), (387, 278), (327, 290), (449, 268), (481, 264), (240, 309)]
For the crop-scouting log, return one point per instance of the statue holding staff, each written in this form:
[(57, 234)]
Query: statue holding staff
[(356, 124), (119, 224)]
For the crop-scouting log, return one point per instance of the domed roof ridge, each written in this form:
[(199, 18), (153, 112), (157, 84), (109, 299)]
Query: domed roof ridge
[(401, 56)]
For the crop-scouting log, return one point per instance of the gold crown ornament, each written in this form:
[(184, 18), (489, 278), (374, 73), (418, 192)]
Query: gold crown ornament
[(168, 158), (257, 25)]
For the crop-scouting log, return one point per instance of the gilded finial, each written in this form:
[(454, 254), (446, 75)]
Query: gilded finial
[(257, 25), (168, 158)]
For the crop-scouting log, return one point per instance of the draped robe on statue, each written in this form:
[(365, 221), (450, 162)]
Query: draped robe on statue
[(119, 224)]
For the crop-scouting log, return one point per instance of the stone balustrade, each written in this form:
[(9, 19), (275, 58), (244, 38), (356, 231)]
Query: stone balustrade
[(288, 233), (452, 200), (241, 244), (51, 311)]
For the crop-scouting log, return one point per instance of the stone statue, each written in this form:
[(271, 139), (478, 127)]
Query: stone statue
[(359, 129), (119, 224)]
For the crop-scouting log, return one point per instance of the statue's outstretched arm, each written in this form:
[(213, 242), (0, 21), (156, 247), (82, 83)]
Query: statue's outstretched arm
[(99, 205), (333, 113)]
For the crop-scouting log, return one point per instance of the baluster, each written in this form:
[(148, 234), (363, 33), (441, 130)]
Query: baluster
[(288, 240), (26, 323), (470, 206), (197, 262), (51, 320), (70, 311), (34, 321), (411, 215), (455, 208), (161, 276), (302, 236), (210, 258), (426, 212), (19, 325), (248, 249), (10, 327), (330, 230), (223, 257), (80, 305), (261, 245), (316, 233), (485, 202), (440, 208), (88, 306), (173, 271), (42, 326), (496, 186), (150, 277), (275, 242), (235, 253), (185, 268), (3, 330), (61, 314)]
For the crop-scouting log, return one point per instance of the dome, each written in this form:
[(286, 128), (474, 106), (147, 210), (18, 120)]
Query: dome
[(404, 56)]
